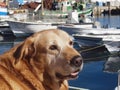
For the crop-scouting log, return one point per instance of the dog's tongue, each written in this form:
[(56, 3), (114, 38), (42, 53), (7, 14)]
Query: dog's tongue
[(74, 73)]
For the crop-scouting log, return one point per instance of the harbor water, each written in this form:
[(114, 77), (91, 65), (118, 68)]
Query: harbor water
[(93, 76), (109, 21)]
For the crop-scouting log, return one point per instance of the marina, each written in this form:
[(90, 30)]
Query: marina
[(99, 47), (93, 59)]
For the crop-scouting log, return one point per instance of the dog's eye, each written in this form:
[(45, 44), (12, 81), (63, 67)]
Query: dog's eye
[(70, 43), (53, 47)]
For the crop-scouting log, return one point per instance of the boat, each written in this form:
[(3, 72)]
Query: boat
[(100, 31), (111, 41), (88, 41), (20, 28), (88, 29), (3, 11), (25, 29), (90, 48), (74, 25), (75, 28), (106, 37), (112, 46)]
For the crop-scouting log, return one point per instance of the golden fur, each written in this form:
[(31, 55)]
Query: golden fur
[(44, 61)]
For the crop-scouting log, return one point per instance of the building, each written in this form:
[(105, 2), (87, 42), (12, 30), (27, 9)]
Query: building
[(107, 2)]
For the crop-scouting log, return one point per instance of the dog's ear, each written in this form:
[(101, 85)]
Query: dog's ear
[(26, 50)]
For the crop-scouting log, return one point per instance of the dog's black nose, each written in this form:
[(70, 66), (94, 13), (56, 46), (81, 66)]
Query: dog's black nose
[(76, 61)]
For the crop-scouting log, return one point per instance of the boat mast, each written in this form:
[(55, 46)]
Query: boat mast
[(42, 9)]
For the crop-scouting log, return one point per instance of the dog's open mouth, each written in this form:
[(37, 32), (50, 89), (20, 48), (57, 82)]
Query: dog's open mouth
[(70, 76)]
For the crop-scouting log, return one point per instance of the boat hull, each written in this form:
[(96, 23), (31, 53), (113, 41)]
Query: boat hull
[(75, 28), (3, 11), (24, 29), (111, 42)]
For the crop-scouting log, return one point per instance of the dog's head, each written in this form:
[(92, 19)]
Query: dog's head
[(53, 50)]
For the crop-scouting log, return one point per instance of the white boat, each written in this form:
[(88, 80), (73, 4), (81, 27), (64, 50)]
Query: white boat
[(112, 46), (24, 29), (88, 29), (74, 25), (112, 42), (105, 37), (3, 11), (100, 31), (88, 41), (75, 28)]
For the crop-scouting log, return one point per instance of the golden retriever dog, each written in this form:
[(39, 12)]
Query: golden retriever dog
[(44, 61)]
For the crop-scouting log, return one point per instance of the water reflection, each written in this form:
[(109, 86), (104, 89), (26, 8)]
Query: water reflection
[(110, 21), (8, 43), (112, 64)]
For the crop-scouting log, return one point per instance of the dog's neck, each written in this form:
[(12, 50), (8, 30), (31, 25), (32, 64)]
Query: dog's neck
[(42, 76), (48, 80)]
